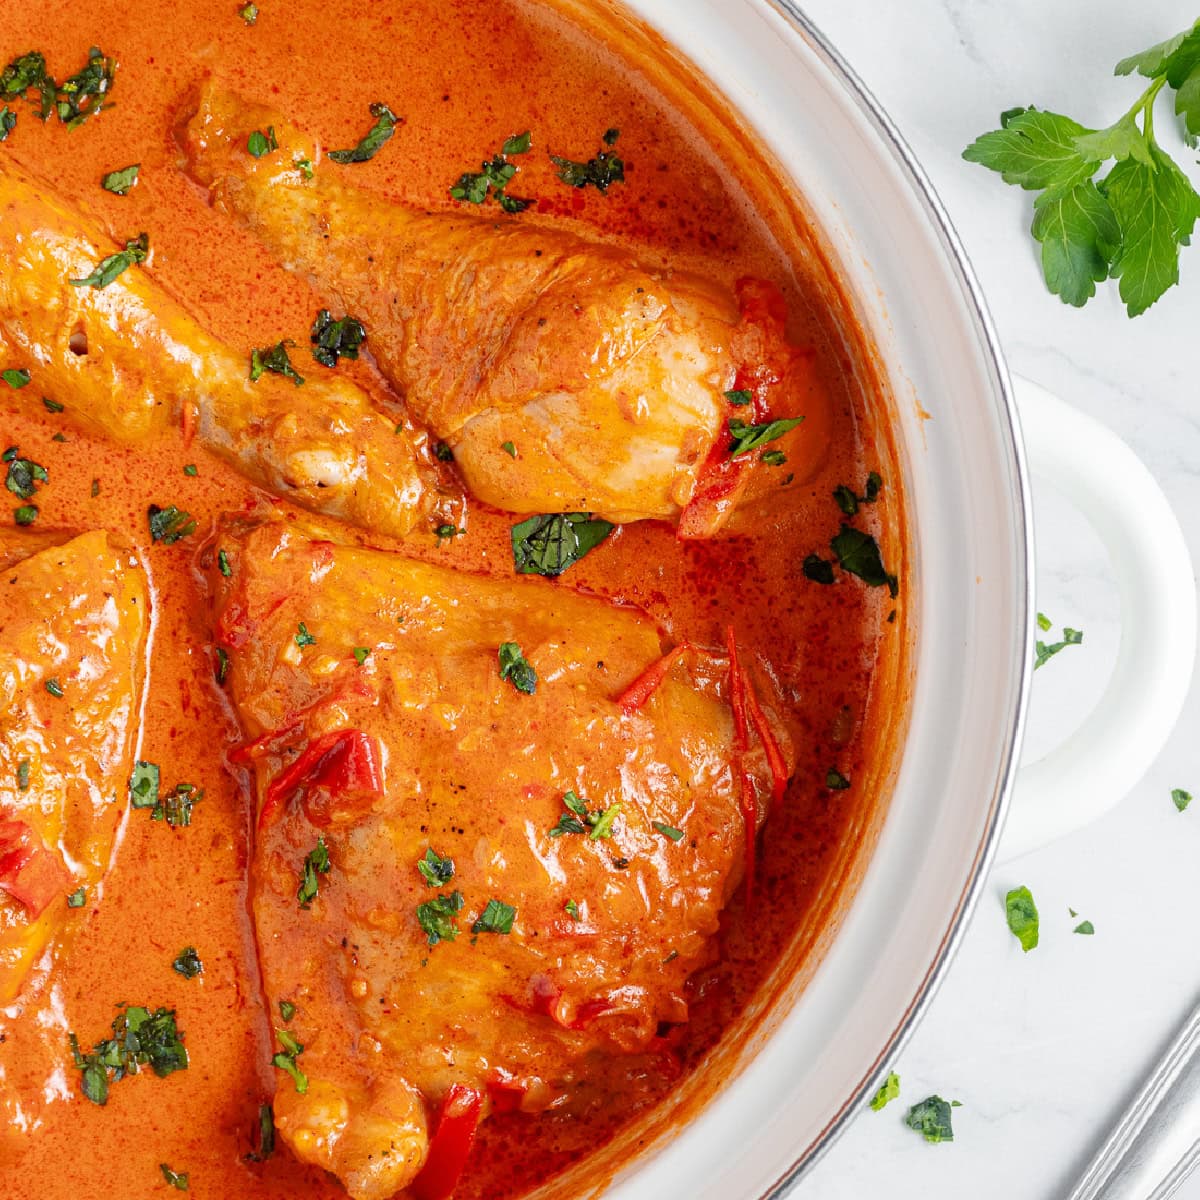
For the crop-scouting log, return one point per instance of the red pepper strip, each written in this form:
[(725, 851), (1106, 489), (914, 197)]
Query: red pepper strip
[(458, 1120), (343, 762), (649, 681), (30, 873), (505, 1090), (741, 740), (775, 759)]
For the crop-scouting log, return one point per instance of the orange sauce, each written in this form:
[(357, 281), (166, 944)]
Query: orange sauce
[(465, 74)]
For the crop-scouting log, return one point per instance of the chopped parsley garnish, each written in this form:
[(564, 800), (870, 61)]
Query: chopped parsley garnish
[(249, 14), (835, 781), (177, 1179), (1043, 651), (600, 172), (888, 1092), (303, 637), (739, 397), (848, 501), (85, 92), (494, 177), (751, 437), (773, 458), (54, 687), (669, 831), (259, 143), (818, 569), (78, 898), (447, 533), (175, 807), (435, 870), (516, 668), (26, 514), (1085, 927), (549, 544), (579, 819), (52, 406), (858, 554), (191, 469), (316, 861), (140, 1038), (168, 525), (1181, 798), (442, 452), (222, 665), (15, 377), (23, 476), (274, 359), (285, 1059), (95, 488), (187, 963), (931, 1119), (360, 654), (304, 166), (336, 339), (287, 1010), (136, 250), (23, 775), (265, 1130), (23, 73), (143, 784), (497, 917), (572, 910), (223, 564), (379, 133), (1022, 915), (509, 448), (119, 182), (8, 120), (439, 917)]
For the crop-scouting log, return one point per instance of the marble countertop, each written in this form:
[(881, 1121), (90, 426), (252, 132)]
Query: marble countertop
[(1044, 1049)]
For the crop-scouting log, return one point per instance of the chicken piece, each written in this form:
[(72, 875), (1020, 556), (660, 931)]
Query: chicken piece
[(522, 872), (608, 378), (73, 621), (128, 360)]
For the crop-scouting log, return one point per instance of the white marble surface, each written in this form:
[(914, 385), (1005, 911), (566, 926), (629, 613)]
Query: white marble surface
[(1044, 1049)]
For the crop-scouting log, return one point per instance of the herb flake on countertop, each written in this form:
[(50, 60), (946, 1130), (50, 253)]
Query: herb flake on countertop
[(1044, 652), (1181, 798), (889, 1090), (374, 139), (1022, 916), (931, 1118), (1085, 927)]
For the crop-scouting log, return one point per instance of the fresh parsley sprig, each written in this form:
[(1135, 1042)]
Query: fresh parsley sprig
[(1130, 224)]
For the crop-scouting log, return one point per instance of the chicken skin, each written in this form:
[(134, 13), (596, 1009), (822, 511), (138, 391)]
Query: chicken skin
[(73, 621), (496, 831), (127, 361), (564, 375)]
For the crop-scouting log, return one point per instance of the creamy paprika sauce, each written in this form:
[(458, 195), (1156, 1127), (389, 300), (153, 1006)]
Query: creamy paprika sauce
[(565, 1066)]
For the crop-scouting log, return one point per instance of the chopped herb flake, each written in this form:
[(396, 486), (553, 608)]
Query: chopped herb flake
[(931, 1119), (191, 469), (332, 339), (494, 177), (265, 1129), (222, 670), (54, 687), (168, 525), (818, 569), (572, 910), (439, 917), (379, 133), (139, 1038), (516, 668), (360, 654), (52, 405), (509, 448), (887, 1092), (315, 861), (1022, 915), (435, 870), (739, 397), (84, 93), (136, 251), (177, 1179), (119, 182), (1043, 652), (442, 452), (259, 143), (497, 917), (249, 14), (223, 564), (549, 544), (23, 775), (187, 963), (287, 1010), (15, 377), (23, 476), (144, 784), (600, 172), (26, 514), (78, 898), (285, 1059), (303, 637), (1181, 798), (274, 359), (858, 553), (751, 437), (668, 831), (835, 781), (1085, 927)]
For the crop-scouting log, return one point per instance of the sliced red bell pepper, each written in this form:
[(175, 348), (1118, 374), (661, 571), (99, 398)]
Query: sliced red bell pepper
[(649, 681), (453, 1137), (30, 872), (775, 759), (741, 741), (344, 763)]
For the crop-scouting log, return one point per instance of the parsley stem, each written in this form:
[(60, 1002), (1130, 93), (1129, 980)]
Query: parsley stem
[(1145, 105)]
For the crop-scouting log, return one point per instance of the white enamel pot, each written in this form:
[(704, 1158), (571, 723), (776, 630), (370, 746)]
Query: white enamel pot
[(969, 515)]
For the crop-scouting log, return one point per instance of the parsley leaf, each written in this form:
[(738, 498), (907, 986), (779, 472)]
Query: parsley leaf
[(888, 1091), (493, 178), (818, 569), (303, 637), (668, 831), (509, 448), (285, 1059), (287, 1010), (15, 377), (23, 476), (360, 654), (435, 870), (274, 359), (266, 1128), (600, 172), (222, 670), (858, 553), (187, 963), (439, 917), (572, 910), (516, 668), (1022, 916), (26, 514), (119, 182), (259, 143), (316, 860), (143, 784), (8, 120), (931, 1119), (549, 544), (497, 917), (333, 339), (835, 781), (177, 1179), (78, 898), (168, 525), (1085, 927), (84, 93), (848, 500), (375, 138), (1181, 798), (578, 818), (23, 775), (1043, 652), (751, 437), (249, 14), (52, 685), (136, 251), (139, 1038), (1129, 225)]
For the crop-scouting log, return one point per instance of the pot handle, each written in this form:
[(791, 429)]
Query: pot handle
[(1101, 762)]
